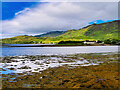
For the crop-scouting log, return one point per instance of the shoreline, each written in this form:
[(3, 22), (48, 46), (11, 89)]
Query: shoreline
[(66, 76), (57, 45)]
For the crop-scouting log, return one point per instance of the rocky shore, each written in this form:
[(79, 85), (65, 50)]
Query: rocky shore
[(93, 71)]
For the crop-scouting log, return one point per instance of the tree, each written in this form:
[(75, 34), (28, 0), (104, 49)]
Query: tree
[(115, 41), (108, 41)]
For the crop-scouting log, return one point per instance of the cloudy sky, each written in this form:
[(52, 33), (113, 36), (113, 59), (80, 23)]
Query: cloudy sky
[(31, 18)]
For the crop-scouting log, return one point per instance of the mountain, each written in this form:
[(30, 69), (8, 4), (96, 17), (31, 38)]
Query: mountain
[(92, 32), (51, 34), (95, 31)]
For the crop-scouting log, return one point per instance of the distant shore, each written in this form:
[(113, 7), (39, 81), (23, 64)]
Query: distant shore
[(52, 45)]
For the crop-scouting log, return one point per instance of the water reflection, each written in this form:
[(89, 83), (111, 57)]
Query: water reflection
[(6, 71)]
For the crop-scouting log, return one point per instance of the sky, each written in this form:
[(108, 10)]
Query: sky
[(33, 18)]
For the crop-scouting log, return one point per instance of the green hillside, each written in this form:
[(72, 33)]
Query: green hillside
[(92, 32), (23, 40), (96, 31), (51, 34)]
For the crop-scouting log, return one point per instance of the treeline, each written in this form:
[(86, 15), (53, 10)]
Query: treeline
[(112, 41), (71, 43), (107, 41)]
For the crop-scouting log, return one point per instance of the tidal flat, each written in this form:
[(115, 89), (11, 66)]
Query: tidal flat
[(85, 71)]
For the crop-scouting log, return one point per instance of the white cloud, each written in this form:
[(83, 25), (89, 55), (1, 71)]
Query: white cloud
[(23, 11), (58, 16)]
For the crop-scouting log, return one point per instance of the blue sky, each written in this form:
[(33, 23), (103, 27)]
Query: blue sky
[(100, 21), (31, 18), (9, 9)]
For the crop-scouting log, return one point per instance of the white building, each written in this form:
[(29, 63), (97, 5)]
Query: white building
[(89, 42)]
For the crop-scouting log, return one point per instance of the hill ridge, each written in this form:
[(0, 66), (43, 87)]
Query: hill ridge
[(91, 32)]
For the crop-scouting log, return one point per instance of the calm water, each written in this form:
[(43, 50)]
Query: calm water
[(15, 51)]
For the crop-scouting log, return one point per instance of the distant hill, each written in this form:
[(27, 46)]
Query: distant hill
[(92, 32), (95, 31), (51, 34), (23, 39)]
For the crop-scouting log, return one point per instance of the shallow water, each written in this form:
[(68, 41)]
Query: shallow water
[(17, 51), (28, 65), (38, 65), (15, 66)]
